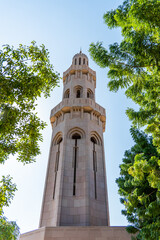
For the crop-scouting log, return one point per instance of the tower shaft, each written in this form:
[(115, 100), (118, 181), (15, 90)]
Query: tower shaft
[(75, 189)]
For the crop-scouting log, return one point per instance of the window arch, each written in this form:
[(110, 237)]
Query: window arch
[(56, 141), (78, 91), (76, 133), (83, 61), (90, 94), (79, 61), (58, 138), (95, 138), (67, 93), (76, 136), (75, 61)]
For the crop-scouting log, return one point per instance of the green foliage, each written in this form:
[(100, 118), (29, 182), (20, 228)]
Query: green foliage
[(134, 65), (25, 74), (8, 229), (7, 190), (139, 187)]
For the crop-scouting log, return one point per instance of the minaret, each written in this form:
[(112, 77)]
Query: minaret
[(75, 190)]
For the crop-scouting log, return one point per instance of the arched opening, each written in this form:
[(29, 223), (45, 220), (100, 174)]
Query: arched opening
[(79, 61), (90, 93), (83, 60), (78, 90), (75, 131), (78, 94), (93, 140), (76, 61), (57, 142), (76, 136), (67, 93), (96, 138)]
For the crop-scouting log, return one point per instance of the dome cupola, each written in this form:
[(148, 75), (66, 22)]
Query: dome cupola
[(80, 59)]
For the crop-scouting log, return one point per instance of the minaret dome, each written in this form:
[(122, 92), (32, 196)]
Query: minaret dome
[(80, 59)]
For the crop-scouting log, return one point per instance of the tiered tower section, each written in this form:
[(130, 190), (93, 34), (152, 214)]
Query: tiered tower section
[(75, 189)]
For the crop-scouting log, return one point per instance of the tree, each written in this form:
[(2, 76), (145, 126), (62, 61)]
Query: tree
[(134, 63), (139, 188), (25, 74), (8, 229), (135, 66)]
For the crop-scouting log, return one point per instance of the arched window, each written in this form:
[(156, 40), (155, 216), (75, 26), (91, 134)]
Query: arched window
[(76, 61), (83, 60), (96, 140), (78, 90), (76, 131), (57, 141), (79, 61), (90, 93), (78, 94), (66, 94), (93, 140), (76, 134)]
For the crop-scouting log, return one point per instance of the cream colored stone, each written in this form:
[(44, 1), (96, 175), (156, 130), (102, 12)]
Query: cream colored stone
[(81, 233), (86, 204)]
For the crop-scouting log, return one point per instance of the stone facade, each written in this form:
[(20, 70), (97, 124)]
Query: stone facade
[(75, 190), (78, 233)]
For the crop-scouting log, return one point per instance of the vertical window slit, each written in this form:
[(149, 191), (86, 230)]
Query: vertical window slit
[(75, 151), (56, 169), (95, 171), (75, 166), (94, 167)]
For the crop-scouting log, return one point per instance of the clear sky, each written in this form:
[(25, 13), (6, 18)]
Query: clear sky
[(64, 26)]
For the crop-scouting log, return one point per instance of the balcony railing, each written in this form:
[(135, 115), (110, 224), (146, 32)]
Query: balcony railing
[(78, 102)]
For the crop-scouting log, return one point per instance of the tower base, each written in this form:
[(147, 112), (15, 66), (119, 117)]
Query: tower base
[(78, 233)]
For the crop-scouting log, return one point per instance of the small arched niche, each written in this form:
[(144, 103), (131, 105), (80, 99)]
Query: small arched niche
[(76, 136), (78, 90), (90, 94), (76, 133), (95, 138), (67, 93), (58, 138)]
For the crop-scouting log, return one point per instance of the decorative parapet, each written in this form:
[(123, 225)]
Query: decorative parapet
[(84, 68), (88, 105)]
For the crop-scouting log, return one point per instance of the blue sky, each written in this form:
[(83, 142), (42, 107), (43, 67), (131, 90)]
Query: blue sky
[(64, 27)]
